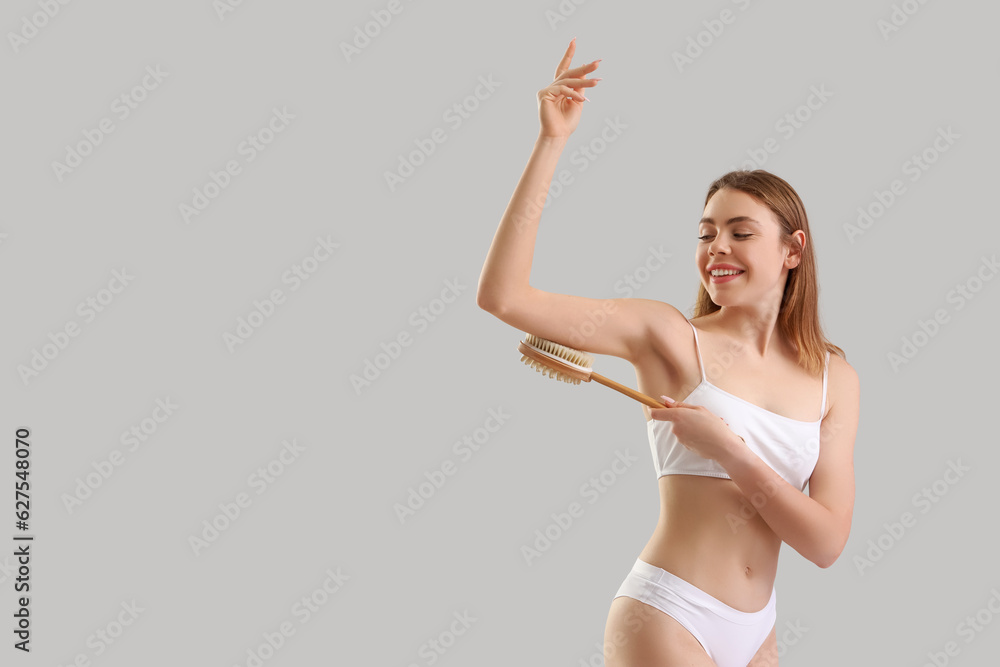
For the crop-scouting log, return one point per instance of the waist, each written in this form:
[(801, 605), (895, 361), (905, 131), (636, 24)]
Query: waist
[(709, 534), (659, 577)]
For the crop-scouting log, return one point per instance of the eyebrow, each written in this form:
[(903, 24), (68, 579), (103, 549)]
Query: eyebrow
[(739, 218)]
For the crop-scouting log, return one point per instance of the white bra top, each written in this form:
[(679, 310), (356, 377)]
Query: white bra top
[(789, 446)]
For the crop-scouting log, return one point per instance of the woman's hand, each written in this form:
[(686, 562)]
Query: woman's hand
[(700, 430), (560, 104)]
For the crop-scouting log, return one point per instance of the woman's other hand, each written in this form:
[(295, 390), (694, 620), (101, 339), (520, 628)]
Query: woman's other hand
[(560, 103), (700, 430)]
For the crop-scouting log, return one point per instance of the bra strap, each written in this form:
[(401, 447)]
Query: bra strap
[(826, 368), (697, 350)]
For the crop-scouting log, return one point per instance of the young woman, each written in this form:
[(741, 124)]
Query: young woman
[(764, 410)]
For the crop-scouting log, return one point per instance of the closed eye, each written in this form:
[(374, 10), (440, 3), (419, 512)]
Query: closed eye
[(740, 236)]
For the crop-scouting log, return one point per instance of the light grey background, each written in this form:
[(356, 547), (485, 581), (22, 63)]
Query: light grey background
[(333, 508)]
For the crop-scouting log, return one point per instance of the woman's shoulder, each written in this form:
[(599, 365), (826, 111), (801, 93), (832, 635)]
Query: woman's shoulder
[(843, 383), (840, 367)]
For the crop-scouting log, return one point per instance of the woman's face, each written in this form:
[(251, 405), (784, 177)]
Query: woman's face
[(739, 231)]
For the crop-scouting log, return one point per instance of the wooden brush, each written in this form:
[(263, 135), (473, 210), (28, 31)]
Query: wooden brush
[(573, 366)]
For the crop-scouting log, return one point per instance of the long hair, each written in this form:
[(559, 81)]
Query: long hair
[(798, 314)]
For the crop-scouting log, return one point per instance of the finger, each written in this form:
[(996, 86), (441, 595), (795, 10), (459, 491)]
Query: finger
[(582, 69), (566, 59), (572, 94), (663, 414), (669, 410), (562, 91), (576, 83)]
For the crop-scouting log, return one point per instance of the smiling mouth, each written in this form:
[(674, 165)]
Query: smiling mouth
[(725, 277)]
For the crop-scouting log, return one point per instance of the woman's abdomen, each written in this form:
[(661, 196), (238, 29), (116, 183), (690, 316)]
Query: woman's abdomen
[(710, 535)]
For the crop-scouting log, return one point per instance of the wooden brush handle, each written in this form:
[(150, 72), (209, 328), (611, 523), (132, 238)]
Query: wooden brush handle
[(628, 391)]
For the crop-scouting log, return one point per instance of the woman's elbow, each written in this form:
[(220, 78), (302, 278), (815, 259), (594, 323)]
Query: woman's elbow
[(488, 301), (826, 560), (832, 553)]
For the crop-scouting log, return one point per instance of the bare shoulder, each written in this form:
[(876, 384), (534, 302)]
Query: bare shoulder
[(843, 389), (667, 330), (659, 314)]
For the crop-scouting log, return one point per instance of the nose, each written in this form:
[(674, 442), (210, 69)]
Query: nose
[(717, 245)]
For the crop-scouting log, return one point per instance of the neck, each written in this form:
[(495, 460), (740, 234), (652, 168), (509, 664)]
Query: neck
[(753, 327)]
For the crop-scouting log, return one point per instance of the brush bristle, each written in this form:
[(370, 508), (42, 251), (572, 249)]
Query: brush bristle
[(561, 352)]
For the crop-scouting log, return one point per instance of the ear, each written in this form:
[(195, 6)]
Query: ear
[(798, 244)]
